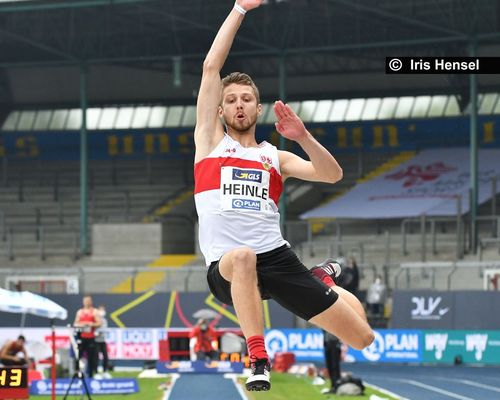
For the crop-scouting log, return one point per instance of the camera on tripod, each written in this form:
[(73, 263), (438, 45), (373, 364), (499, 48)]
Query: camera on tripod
[(78, 330)]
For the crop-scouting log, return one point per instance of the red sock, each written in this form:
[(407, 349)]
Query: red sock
[(257, 348), (324, 277)]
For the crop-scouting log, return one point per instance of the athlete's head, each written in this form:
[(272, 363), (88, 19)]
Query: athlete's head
[(87, 302), (240, 102)]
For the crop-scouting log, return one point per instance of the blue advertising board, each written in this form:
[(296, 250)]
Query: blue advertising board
[(390, 345), (102, 386), (306, 344)]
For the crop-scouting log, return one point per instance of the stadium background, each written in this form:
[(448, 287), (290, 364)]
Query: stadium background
[(77, 193)]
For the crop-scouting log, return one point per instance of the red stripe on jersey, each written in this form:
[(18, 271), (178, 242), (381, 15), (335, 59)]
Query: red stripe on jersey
[(207, 174)]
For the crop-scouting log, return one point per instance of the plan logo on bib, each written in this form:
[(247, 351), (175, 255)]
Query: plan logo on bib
[(243, 204)]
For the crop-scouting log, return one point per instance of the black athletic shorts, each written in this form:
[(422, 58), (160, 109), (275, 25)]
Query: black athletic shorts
[(283, 278)]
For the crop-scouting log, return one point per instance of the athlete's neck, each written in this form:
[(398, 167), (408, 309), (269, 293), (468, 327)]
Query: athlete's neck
[(245, 139)]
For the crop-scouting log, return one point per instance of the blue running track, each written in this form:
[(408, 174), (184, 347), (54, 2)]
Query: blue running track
[(432, 382), (204, 387)]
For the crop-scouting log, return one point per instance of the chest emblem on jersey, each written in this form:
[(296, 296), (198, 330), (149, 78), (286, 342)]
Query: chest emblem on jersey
[(267, 162)]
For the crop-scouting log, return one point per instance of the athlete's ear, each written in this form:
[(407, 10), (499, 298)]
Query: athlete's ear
[(259, 109), (220, 111)]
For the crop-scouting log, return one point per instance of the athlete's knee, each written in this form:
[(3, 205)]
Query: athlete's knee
[(363, 339), (244, 261)]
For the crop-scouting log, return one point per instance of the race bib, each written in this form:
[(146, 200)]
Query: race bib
[(244, 189)]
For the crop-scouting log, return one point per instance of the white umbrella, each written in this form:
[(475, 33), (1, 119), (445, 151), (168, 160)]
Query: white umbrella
[(31, 303), (205, 313)]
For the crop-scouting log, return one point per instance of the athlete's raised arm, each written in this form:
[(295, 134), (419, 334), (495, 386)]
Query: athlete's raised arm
[(322, 168), (209, 131)]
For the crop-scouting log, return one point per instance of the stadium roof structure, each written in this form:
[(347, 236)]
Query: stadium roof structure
[(147, 51)]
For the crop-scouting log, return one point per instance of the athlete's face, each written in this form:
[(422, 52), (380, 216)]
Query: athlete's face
[(239, 107), (87, 302)]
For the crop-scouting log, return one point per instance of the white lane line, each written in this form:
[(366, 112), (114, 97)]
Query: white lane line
[(436, 389), (481, 385), (234, 378), (385, 391), (472, 383), (172, 383)]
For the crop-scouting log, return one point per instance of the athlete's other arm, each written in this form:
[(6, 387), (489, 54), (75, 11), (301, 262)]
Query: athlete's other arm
[(209, 131), (77, 318), (322, 168), (4, 352)]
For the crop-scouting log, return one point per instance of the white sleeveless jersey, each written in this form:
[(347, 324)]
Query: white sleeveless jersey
[(236, 194)]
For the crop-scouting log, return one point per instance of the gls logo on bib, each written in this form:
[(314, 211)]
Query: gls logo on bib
[(247, 175)]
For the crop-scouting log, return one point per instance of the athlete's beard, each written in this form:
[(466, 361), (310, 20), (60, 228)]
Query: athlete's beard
[(242, 127)]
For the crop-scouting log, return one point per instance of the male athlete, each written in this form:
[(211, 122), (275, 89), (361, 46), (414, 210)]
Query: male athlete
[(88, 319), (9, 352), (237, 186)]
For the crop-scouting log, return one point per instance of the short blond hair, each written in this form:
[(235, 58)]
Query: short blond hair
[(241, 78)]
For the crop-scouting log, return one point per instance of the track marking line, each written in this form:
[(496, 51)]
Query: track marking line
[(481, 385), (234, 378), (385, 391), (172, 383), (436, 389)]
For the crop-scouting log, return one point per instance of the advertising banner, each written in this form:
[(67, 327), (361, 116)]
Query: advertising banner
[(432, 309), (470, 346), (95, 387), (123, 344), (427, 184), (422, 309), (390, 346), (306, 344)]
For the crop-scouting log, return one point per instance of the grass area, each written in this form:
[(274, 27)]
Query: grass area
[(287, 386), (148, 389)]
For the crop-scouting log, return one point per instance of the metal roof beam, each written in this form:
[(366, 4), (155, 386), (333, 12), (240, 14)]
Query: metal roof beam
[(40, 46), (406, 20), (25, 7), (195, 24), (302, 50)]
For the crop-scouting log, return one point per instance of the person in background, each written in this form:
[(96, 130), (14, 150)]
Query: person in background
[(349, 279), (100, 342), (87, 320), (376, 297), (204, 337), (9, 353), (332, 347)]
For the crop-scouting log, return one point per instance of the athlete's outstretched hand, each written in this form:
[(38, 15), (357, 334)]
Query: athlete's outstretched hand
[(249, 4), (289, 124)]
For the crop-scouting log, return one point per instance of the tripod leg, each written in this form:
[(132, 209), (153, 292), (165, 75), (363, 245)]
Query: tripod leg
[(75, 375), (86, 388)]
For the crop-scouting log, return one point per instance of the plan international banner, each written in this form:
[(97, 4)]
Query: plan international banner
[(427, 184)]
